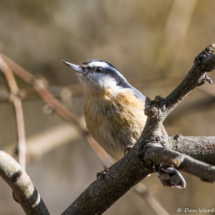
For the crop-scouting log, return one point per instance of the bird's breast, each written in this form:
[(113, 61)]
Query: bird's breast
[(115, 121)]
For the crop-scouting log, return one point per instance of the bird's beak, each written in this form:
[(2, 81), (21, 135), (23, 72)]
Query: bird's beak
[(73, 66)]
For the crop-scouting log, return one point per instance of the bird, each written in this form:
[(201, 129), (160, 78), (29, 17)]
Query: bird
[(114, 113)]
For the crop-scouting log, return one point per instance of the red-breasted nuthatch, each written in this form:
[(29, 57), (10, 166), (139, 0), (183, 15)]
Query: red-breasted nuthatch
[(114, 112)]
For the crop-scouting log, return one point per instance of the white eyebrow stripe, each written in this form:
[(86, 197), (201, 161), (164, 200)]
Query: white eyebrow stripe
[(99, 63)]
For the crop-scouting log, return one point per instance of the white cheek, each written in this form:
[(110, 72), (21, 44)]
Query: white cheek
[(111, 83), (102, 81), (107, 82)]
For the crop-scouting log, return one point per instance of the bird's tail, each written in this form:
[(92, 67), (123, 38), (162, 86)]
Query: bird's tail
[(171, 177)]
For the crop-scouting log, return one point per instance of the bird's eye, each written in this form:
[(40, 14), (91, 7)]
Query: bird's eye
[(99, 69)]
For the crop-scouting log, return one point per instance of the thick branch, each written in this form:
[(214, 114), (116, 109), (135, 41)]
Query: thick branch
[(132, 168), (101, 194), (200, 148), (159, 155), (24, 192)]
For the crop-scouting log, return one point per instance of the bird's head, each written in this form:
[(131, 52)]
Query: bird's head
[(99, 75)]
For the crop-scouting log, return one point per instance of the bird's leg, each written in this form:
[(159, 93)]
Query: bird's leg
[(129, 147), (100, 175)]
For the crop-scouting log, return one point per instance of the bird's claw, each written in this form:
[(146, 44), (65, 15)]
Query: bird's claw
[(100, 175), (127, 149), (15, 198)]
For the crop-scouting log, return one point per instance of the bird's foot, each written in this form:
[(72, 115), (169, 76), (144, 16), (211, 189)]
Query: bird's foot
[(127, 149), (169, 176), (100, 175)]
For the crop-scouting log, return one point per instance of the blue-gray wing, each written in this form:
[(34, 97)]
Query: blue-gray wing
[(138, 94)]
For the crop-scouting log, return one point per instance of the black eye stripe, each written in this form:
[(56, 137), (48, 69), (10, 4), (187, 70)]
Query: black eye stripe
[(99, 69)]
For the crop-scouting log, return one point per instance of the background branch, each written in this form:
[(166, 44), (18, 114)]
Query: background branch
[(77, 89), (144, 193), (24, 192), (14, 97), (57, 106)]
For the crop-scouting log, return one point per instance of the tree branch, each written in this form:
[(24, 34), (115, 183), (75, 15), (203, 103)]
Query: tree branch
[(157, 110), (142, 191), (157, 155), (200, 148), (14, 97), (101, 194), (24, 192), (204, 62)]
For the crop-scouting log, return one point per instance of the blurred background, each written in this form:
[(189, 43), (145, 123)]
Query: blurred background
[(152, 43)]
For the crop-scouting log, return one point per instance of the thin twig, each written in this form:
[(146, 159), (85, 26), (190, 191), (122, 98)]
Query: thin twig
[(18, 110), (144, 193), (42, 143), (77, 89)]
